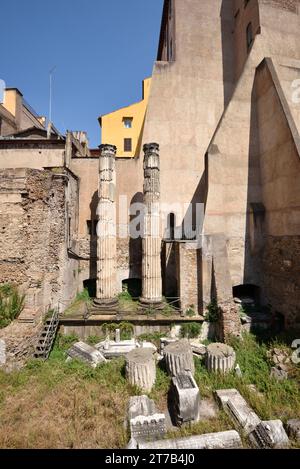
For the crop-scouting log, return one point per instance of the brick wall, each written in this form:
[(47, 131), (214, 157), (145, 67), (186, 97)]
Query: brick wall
[(188, 276), (281, 267), (34, 235), (290, 5)]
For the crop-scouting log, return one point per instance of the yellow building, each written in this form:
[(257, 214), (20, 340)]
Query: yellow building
[(124, 127)]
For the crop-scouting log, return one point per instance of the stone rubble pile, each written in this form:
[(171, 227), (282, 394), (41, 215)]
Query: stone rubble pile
[(261, 434), (293, 429), (281, 363)]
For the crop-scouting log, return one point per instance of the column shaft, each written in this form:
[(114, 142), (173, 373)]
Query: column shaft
[(106, 228), (151, 266)]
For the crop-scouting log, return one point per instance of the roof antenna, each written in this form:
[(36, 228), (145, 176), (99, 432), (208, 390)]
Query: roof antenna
[(50, 103)]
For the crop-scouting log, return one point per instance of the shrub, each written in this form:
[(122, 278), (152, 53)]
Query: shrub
[(83, 296), (11, 304), (190, 330), (212, 313), (190, 312), (126, 329)]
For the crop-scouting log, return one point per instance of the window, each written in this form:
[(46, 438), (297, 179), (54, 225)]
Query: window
[(127, 121), (127, 144), (249, 36)]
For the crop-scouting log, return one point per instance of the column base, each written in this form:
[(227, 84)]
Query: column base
[(145, 303), (104, 305)]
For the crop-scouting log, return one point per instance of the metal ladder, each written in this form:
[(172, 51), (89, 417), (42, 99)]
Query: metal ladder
[(46, 339)]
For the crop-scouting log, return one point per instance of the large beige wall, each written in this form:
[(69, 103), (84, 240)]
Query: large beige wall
[(34, 158), (187, 96), (234, 185), (129, 177), (280, 177)]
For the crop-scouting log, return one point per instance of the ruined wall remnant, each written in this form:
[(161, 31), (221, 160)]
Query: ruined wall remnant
[(36, 217), (188, 262), (289, 5)]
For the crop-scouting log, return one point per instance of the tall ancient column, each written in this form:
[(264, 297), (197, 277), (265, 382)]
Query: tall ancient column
[(106, 294), (151, 266)]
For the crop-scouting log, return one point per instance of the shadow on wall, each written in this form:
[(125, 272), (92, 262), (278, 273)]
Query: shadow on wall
[(139, 144), (135, 244), (254, 240), (90, 283), (227, 28)]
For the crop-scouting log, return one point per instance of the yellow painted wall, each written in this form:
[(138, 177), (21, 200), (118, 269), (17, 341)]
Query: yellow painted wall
[(114, 131), (10, 101)]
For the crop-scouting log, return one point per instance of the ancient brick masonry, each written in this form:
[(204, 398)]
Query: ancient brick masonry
[(33, 213), (290, 5), (32, 218), (281, 261)]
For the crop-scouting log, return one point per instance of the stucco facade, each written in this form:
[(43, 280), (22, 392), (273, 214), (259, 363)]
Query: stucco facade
[(126, 124)]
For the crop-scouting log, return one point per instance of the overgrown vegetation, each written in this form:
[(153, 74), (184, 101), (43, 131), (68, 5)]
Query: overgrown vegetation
[(212, 312), (55, 404), (11, 304), (80, 305), (126, 329), (153, 337), (126, 301), (190, 330), (190, 312), (281, 399)]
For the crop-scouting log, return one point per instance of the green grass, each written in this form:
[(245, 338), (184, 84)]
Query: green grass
[(190, 330), (281, 398), (11, 304), (153, 337), (79, 306), (59, 404)]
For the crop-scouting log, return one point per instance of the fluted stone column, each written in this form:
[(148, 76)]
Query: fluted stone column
[(151, 266), (106, 294), (220, 357)]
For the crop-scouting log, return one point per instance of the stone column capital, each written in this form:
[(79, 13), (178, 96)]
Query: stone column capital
[(151, 148), (108, 148)]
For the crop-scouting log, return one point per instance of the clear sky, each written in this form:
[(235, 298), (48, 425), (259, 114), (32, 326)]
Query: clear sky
[(102, 50)]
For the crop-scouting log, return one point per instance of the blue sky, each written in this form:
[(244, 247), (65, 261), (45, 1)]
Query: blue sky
[(102, 50)]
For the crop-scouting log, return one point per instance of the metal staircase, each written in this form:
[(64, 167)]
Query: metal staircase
[(46, 339)]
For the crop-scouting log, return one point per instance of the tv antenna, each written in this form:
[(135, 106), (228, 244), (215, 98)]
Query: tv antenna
[(50, 102)]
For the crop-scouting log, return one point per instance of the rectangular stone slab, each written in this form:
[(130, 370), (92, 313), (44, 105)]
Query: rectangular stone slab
[(184, 399), (87, 353), (222, 440), (238, 409)]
